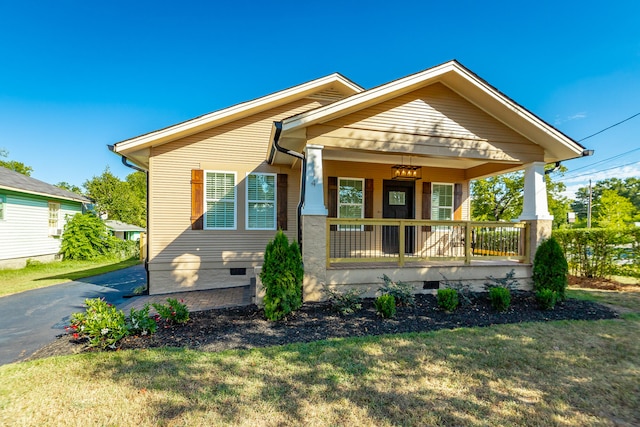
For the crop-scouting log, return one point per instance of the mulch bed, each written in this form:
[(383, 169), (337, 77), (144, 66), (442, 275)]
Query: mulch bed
[(245, 327)]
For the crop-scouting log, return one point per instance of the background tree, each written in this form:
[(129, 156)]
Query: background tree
[(628, 188), (119, 200), (69, 187), (14, 165), (614, 210)]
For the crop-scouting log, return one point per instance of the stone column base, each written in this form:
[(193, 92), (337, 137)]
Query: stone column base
[(540, 230), (314, 256)]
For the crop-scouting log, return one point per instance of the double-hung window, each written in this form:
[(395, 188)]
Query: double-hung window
[(350, 201), (220, 200), (3, 203), (442, 202), (54, 219), (261, 201)]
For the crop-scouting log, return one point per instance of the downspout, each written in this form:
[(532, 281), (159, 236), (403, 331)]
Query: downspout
[(146, 172), (303, 173)]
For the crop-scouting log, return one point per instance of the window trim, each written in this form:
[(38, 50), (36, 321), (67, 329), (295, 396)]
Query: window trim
[(362, 204), (207, 200), (453, 203), (53, 231), (275, 201)]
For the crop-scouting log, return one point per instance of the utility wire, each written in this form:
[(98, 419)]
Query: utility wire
[(602, 161), (612, 126), (603, 170)]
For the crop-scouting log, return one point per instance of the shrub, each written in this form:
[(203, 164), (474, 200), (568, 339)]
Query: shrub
[(386, 306), (102, 324), (507, 282), (344, 303), (591, 252), (500, 298), (463, 289), (550, 269), (546, 299), (85, 237), (173, 312), (281, 277), (401, 292), (447, 299), (139, 321)]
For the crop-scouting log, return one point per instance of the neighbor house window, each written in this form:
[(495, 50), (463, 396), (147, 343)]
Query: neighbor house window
[(442, 202), (3, 202), (350, 201), (54, 218), (220, 200), (261, 201)]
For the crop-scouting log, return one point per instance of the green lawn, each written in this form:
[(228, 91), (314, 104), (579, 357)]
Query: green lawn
[(52, 273), (549, 373)]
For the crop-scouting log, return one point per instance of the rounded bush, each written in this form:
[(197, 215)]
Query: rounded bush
[(546, 299), (386, 305), (500, 298), (447, 299), (550, 268)]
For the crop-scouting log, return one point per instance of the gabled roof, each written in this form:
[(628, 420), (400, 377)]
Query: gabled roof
[(121, 226), (235, 112), (14, 181), (465, 83)]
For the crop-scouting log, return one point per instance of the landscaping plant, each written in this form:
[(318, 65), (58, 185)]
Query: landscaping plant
[(344, 303), (507, 282), (139, 322), (386, 306), (447, 299), (550, 269), (281, 276), (546, 298), (401, 292), (102, 323), (173, 312), (500, 298)]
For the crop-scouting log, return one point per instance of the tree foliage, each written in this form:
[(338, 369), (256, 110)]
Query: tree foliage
[(614, 210), (85, 237), (14, 165), (119, 200), (628, 188), (499, 198), (69, 187)]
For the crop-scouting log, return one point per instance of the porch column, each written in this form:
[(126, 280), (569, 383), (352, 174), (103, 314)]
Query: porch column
[(535, 208), (314, 227)]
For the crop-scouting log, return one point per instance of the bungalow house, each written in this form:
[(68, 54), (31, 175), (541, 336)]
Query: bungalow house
[(32, 217), (122, 230), (370, 182)]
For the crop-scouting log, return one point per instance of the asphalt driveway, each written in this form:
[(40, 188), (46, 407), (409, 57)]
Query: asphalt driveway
[(34, 318)]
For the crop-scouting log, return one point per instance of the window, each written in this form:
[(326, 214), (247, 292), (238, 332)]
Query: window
[(261, 201), (54, 219), (442, 202), (350, 201), (3, 203), (220, 200)]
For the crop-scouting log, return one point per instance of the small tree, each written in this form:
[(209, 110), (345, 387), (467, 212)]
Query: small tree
[(85, 237), (281, 277), (550, 268)]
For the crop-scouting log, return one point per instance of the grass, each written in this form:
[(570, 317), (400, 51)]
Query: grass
[(40, 275), (556, 373)]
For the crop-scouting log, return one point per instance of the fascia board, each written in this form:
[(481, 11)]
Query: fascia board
[(47, 195), (230, 114)]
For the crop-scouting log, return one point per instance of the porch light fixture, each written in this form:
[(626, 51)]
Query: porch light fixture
[(406, 172)]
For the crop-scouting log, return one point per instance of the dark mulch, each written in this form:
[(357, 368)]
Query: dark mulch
[(245, 327)]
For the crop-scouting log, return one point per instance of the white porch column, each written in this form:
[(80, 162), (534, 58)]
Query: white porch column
[(314, 190), (314, 226), (535, 208), (535, 204)]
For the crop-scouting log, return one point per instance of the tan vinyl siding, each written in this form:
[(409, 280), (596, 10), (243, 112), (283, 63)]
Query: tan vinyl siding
[(175, 248), (434, 119)]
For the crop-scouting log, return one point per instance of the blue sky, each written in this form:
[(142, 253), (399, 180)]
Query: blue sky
[(76, 76)]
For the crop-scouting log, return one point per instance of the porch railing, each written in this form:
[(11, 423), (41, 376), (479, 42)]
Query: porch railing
[(409, 240)]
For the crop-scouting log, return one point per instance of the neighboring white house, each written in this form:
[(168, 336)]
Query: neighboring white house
[(124, 231), (32, 217)]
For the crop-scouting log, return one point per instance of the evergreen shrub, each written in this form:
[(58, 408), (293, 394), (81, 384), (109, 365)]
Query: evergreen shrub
[(386, 306), (281, 276), (447, 299), (546, 299), (550, 268), (500, 298), (402, 292)]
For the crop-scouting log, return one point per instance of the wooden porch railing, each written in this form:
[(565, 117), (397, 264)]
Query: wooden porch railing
[(407, 240)]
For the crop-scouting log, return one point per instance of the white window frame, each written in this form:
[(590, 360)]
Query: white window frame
[(343, 227), (3, 207), (235, 200), (54, 218), (452, 200), (275, 200)]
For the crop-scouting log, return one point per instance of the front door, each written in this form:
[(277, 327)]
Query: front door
[(397, 203)]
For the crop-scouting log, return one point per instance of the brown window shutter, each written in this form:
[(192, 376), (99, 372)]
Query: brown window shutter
[(368, 202), (332, 202), (197, 202), (426, 203), (282, 201), (457, 202)]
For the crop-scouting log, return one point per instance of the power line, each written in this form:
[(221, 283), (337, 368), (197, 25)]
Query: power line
[(603, 170), (602, 161), (612, 126)]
